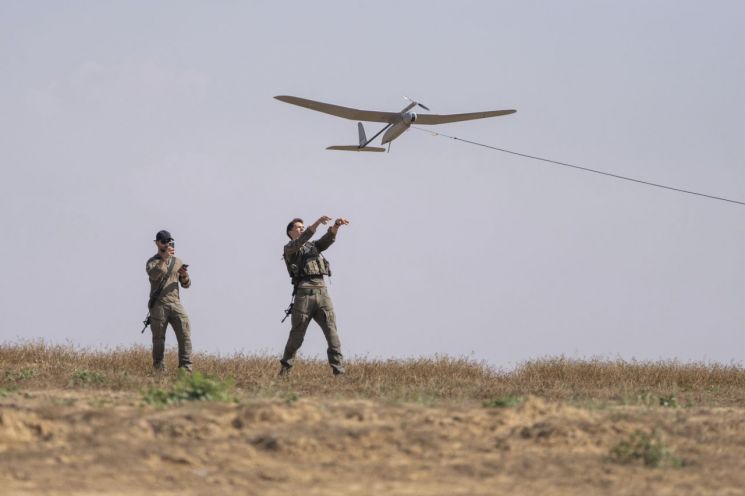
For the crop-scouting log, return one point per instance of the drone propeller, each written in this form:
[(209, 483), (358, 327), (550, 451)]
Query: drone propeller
[(417, 103)]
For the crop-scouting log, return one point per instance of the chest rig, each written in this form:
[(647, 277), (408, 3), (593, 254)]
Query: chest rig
[(309, 262)]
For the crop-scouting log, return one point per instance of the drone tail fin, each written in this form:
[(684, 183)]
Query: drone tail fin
[(363, 137)]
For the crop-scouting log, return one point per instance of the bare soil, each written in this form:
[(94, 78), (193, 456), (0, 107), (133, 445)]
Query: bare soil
[(83, 441)]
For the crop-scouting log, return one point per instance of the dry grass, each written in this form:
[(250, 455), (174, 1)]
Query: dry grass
[(36, 366)]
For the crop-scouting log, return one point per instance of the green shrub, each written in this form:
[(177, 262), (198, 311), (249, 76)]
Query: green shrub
[(669, 401), (19, 375), (87, 378), (645, 447), (191, 387), (507, 401)]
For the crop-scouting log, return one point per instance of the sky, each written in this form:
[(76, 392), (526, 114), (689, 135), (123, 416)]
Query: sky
[(118, 119)]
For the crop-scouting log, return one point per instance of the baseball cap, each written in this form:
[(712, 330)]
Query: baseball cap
[(163, 236)]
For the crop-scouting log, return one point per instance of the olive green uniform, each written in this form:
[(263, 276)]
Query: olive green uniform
[(312, 301), (167, 309)]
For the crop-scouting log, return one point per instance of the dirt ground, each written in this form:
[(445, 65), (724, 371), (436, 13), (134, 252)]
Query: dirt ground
[(88, 442)]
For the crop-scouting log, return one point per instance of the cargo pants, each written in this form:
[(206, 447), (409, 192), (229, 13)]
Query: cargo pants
[(315, 304), (161, 315)]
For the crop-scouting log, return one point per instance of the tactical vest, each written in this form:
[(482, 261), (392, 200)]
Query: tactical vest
[(309, 262)]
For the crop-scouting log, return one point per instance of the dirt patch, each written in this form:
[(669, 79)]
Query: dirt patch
[(88, 442), (20, 427)]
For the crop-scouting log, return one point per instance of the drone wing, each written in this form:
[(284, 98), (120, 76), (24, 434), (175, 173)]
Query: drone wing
[(339, 111), (444, 119)]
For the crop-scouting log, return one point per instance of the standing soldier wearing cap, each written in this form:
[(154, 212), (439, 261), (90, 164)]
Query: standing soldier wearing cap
[(307, 266), (166, 271)]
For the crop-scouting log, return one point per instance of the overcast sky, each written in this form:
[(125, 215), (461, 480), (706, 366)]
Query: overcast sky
[(118, 119)]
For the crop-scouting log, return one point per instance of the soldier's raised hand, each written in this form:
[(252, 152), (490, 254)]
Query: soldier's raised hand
[(341, 221), (321, 220), (166, 252)]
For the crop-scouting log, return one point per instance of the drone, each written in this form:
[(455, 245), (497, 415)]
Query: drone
[(396, 123)]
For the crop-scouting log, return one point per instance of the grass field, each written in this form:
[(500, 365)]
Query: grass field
[(39, 366), (76, 421)]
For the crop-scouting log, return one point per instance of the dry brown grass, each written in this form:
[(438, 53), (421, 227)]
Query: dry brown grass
[(37, 366)]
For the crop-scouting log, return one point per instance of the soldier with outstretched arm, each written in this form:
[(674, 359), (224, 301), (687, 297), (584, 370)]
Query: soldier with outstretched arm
[(307, 267)]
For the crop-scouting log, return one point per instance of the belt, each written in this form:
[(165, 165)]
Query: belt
[(310, 291)]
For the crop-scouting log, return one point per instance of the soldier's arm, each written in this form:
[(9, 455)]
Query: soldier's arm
[(330, 236), (326, 240), (293, 246), (156, 268), (183, 276)]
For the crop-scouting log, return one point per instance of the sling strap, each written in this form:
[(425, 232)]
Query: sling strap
[(156, 293), (154, 296)]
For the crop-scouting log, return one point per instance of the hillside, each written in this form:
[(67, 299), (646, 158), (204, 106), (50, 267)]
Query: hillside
[(87, 422)]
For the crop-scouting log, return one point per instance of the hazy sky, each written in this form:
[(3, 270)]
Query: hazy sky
[(118, 119)]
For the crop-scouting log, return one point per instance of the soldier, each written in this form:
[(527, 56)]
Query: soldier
[(307, 266), (166, 271)]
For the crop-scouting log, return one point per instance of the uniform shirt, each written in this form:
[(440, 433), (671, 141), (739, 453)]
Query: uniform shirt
[(156, 270), (300, 245)]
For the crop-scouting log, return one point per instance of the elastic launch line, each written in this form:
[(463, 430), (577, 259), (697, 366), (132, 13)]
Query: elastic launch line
[(586, 169)]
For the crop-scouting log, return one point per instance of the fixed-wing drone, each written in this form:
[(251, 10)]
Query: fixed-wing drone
[(396, 122)]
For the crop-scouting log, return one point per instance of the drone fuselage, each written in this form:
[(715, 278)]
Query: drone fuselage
[(399, 127)]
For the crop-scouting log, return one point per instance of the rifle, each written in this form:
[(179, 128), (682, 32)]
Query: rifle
[(296, 276), (288, 310), (156, 294)]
